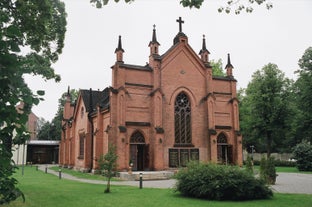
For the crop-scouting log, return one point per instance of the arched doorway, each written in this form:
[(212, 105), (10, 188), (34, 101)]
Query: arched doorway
[(224, 150), (139, 152)]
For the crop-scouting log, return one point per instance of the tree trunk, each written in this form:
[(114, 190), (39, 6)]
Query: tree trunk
[(269, 144), (108, 185)]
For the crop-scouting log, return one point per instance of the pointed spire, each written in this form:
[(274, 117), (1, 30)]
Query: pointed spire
[(68, 91), (119, 48), (229, 65), (90, 101), (119, 51), (204, 49), (154, 44), (154, 38), (68, 94), (204, 53)]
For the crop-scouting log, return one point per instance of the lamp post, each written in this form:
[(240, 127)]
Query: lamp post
[(141, 180), (60, 173), (252, 151)]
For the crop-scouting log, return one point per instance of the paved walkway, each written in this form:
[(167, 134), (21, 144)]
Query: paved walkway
[(285, 182)]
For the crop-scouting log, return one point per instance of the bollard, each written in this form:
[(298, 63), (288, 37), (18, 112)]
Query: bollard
[(36, 167), (46, 169), (141, 180), (60, 173)]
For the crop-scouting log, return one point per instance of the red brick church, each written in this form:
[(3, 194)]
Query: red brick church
[(159, 115)]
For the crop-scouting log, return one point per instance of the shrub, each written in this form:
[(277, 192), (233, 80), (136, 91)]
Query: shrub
[(284, 163), (278, 163), (303, 154), (220, 182), (267, 170)]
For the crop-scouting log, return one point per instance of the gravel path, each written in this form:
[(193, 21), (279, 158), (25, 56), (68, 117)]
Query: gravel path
[(285, 182)]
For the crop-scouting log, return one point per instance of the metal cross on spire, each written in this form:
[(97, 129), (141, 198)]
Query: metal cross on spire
[(180, 23)]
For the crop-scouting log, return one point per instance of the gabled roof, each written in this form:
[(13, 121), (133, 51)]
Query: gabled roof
[(98, 98), (136, 67)]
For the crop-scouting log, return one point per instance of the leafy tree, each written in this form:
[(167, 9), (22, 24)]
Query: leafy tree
[(264, 109), (108, 165), (303, 97), (48, 132), (52, 130), (217, 68), (31, 39), (237, 5)]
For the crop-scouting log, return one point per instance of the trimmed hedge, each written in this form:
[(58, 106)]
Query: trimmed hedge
[(220, 182), (278, 163)]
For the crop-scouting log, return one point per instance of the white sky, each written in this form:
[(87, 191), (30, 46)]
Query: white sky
[(279, 36)]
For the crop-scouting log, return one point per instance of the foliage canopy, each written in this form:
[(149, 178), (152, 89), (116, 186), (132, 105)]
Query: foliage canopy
[(237, 6), (31, 39)]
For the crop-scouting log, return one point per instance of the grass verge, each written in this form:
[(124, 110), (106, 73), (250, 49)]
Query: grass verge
[(47, 190), (83, 175)]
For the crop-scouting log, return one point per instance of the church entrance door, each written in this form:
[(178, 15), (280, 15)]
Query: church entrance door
[(138, 152)]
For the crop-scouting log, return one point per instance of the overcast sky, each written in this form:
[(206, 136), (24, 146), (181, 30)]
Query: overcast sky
[(280, 36)]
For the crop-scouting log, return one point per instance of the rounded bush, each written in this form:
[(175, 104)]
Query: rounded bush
[(303, 154), (220, 182)]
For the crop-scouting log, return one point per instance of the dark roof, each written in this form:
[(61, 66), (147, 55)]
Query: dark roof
[(136, 67), (98, 98)]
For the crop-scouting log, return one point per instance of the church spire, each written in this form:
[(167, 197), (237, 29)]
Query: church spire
[(68, 96), (119, 51), (229, 67), (154, 44), (204, 53)]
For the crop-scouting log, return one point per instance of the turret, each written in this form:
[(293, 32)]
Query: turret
[(119, 51), (154, 44), (204, 53), (229, 67)]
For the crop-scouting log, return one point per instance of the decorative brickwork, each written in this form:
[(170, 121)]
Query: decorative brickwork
[(159, 115)]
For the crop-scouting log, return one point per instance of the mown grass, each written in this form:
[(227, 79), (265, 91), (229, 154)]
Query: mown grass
[(47, 190), (285, 169), (83, 175)]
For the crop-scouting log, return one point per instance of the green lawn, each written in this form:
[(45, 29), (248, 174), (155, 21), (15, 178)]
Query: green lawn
[(82, 175), (284, 169), (48, 190)]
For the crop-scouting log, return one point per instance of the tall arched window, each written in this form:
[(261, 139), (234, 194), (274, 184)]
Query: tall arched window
[(182, 119)]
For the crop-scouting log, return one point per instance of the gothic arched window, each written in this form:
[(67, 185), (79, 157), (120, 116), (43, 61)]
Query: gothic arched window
[(182, 119)]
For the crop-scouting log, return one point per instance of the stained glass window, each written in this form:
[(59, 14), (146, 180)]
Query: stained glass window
[(182, 119)]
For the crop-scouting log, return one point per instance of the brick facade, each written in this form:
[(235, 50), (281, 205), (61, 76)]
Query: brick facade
[(159, 115)]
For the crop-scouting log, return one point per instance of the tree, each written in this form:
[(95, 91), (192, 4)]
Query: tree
[(52, 130), (108, 165), (217, 67), (264, 109), (31, 39), (237, 5), (303, 97)]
